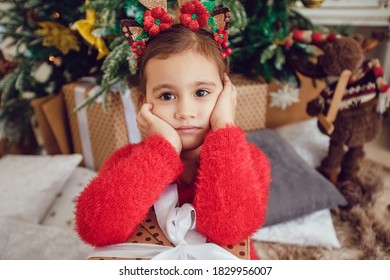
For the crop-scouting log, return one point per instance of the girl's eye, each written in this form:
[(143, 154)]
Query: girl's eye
[(201, 93), (167, 96)]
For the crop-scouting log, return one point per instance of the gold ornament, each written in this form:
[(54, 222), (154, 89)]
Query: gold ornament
[(56, 15), (312, 3), (58, 36), (57, 61), (84, 27)]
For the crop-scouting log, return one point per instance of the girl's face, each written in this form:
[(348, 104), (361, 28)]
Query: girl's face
[(184, 89)]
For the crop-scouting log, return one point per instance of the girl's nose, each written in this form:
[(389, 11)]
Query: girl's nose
[(185, 109)]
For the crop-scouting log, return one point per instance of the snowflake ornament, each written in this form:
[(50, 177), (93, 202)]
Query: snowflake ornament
[(285, 96)]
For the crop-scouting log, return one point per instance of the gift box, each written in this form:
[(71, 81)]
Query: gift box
[(149, 232), (97, 133), (296, 112), (53, 128), (251, 103)]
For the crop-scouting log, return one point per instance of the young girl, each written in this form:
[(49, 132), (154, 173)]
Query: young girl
[(187, 121)]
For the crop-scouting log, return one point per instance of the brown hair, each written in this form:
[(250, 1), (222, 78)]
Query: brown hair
[(177, 40)]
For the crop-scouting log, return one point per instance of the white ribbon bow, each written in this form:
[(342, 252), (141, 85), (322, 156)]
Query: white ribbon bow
[(178, 224)]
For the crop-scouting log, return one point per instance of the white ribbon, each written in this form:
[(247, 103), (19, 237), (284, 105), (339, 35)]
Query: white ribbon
[(82, 118), (130, 117), (178, 224), (82, 121)]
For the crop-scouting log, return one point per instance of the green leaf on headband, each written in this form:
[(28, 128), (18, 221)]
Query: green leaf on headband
[(140, 20), (211, 21), (144, 35), (209, 5)]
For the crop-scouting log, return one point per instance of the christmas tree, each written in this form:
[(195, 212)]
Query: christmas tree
[(78, 38), (262, 49), (39, 32)]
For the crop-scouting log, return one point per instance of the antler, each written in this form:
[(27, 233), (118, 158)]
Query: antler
[(150, 4), (131, 29), (222, 17), (182, 2)]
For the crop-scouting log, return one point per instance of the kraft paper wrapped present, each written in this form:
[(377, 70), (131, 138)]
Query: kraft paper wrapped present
[(149, 232), (251, 103), (53, 128), (97, 133), (150, 239)]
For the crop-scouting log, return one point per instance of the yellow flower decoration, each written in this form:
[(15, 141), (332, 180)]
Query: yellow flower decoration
[(58, 36), (84, 27)]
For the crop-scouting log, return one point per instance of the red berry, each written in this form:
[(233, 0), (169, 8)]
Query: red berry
[(288, 43), (223, 55), (298, 35), (332, 37), (317, 38), (225, 45), (228, 51)]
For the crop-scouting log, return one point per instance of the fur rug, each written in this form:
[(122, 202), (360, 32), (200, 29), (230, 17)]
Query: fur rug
[(363, 231)]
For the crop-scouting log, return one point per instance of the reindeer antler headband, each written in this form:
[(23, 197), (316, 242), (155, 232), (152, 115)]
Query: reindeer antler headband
[(195, 15)]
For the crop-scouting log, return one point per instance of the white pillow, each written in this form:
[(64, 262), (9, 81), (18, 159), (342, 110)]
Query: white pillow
[(30, 241), (315, 229), (29, 184), (307, 140), (61, 213)]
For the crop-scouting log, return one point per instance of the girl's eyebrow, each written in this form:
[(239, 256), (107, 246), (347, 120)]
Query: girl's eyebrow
[(204, 82), (161, 86), (172, 87)]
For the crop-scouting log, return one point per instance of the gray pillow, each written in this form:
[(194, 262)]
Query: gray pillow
[(296, 188)]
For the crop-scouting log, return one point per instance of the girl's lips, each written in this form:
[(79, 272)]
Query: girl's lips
[(187, 129)]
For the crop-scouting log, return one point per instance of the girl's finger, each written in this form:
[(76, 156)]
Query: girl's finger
[(146, 108), (141, 123), (226, 78), (145, 112), (140, 119)]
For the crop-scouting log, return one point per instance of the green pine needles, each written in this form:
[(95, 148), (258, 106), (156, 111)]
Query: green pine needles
[(115, 70)]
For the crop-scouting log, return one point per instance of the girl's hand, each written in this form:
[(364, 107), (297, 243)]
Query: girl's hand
[(225, 109), (149, 124)]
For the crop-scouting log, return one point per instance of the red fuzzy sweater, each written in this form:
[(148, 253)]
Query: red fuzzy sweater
[(230, 192)]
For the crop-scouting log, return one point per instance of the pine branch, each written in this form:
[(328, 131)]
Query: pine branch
[(114, 69), (114, 61), (18, 81)]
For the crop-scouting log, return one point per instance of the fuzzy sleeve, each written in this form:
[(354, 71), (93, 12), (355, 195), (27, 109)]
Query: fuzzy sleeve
[(232, 187), (118, 199)]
